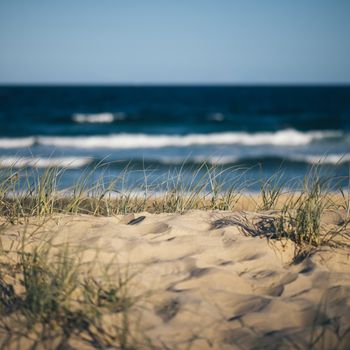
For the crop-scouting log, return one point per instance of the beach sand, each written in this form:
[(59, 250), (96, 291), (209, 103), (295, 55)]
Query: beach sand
[(214, 288)]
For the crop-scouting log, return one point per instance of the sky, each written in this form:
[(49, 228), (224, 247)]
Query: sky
[(174, 42)]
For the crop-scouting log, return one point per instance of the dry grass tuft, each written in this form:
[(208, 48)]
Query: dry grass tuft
[(48, 298)]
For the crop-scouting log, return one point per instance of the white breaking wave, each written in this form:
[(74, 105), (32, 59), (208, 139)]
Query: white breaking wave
[(219, 160), (98, 118), (287, 137), (324, 159), (228, 159), (311, 159), (37, 162), (17, 142)]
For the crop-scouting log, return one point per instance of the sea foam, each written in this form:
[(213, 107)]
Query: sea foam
[(287, 137), (98, 118), (38, 162), (18, 142), (323, 159), (333, 159)]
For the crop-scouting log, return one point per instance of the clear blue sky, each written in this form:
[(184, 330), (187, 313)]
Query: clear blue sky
[(175, 41)]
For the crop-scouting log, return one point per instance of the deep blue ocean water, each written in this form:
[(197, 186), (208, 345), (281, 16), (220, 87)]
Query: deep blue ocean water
[(157, 130)]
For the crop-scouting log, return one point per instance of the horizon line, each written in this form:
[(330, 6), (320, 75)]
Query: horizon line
[(170, 84)]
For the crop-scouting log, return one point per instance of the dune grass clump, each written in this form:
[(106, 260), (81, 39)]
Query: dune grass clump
[(48, 298), (271, 190), (302, 216), (26, 194), (309, 208), (206, 190), (37, 194), (305, 212)]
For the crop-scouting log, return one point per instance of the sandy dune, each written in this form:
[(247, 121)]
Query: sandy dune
[(217, 288)]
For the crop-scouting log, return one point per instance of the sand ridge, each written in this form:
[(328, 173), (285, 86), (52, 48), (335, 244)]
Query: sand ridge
[(217, 288)]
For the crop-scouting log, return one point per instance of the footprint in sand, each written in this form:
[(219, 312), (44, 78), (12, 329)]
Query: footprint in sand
[(248, 305), (268, 282), (139, 225), (168, 309), (155, 229)]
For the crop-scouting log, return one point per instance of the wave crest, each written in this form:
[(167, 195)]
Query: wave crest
[(332, 159), (18, 142), (287, 137), (38, 162), (98, 118)]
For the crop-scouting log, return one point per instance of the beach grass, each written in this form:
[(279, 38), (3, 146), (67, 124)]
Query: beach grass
[(298, 212), (48, 297), (24, 194)]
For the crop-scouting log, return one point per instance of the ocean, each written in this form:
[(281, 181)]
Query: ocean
[(246, 132)]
